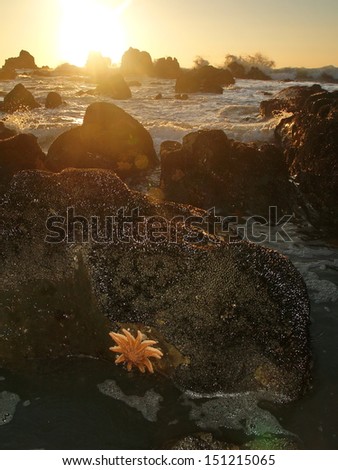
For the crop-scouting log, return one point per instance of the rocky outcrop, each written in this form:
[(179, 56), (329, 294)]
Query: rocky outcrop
[(167, 67), (67, 70), (7, 73), (109, 138), (244, 328), (5, 132), (257, 74), (135, 62), (206, 79), (237, 70), (289, 100), (53, 100), (210, 170), (113, 86), (309, 139), (19, 99), (24, 61), (20, 152)]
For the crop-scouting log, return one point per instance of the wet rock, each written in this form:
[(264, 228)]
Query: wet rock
[(167, 67), (7, 73), (257, 74), (17, 153), (210, 170), (135, 62), (113, 86), (5, 132), (206, 79), (289, 100), (237, 70), (309, 139), (24, 61), (108, 138), (53, 100), (64, 297), (19, 99)]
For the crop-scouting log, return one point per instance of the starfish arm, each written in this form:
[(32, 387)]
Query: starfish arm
[(129, 366), (118, 338), (153, 352), (141, 368), (120, 359), (149, 365), (117, 349)]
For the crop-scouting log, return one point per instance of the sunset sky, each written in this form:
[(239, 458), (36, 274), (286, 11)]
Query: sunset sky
[(292, 32)]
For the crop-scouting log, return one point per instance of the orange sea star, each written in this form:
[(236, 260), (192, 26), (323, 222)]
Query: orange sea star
[(135, 351)]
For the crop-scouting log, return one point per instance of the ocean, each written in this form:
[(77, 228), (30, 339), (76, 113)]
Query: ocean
[(83, 403)]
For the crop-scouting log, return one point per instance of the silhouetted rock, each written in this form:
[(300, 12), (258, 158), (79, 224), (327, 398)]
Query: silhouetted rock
[(24, 61), (309, 139), (205, 79), (7, 73), (245, 327), (167, 68), (109, 138), (135, 62), (67, 70), (237, 70), (210, 170), (257, 74), (53, 100), (327, 78), (19, 99), (289, 99), (17, 153), (6, 133), (114, 86)]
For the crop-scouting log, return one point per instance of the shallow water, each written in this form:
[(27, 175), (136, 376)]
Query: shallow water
[(80, 403)]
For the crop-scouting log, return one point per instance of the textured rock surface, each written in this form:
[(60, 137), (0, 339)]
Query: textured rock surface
[(24, 61), (19, 99), (238, 312), (206, 79), (109, 138)]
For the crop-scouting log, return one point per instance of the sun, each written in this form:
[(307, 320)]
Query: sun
[(91, 25)]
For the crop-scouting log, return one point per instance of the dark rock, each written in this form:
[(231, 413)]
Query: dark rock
[(167, 68), (290, 99), (53, 100), (67, 70), (159, 96), (210, 170), (327, 78), (257, 74), (24, 61), (19, 99), (108, 138), (6, 133), (135, 62), (244, 328), (237, 70), (206, 79), (20, 152), (113, 86), (7, 73), (309, 139)]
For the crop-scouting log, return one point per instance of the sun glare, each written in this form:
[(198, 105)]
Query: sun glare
[(91, 25)]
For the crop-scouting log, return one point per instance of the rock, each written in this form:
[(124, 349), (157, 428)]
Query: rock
[(257, 74), (167, 68), (244, 328), (19, 99), (24, 61), (289, 100), (7, 73), (210, 170), (309, 139), (159, 96), (108, 138), (97, 65), (67, 70), (135, 62), (113, 86), (181, 96), (200, 441), (53, 100), (6, 133), (206, 79), (237, 70), (20, 152)]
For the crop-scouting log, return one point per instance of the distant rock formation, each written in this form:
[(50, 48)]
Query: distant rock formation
[(67, 70), (97, 65), (114, 86), (53, 100), (7, 73), (167, 67), (206, 79), (257, 74), (135, 62), (24, 61), (254, 73), (19, 99), (109, 138)]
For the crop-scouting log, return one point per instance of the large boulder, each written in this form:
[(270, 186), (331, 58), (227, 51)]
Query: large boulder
[(19, 99), (229, 317), (289, 100), (108, 138), (210, 170), (206, 79), (113, 86), (24, 61), (309, 139), (167, 68), (257, 74), (53, 100), (135, 62), (19, 152), (5, 132)]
